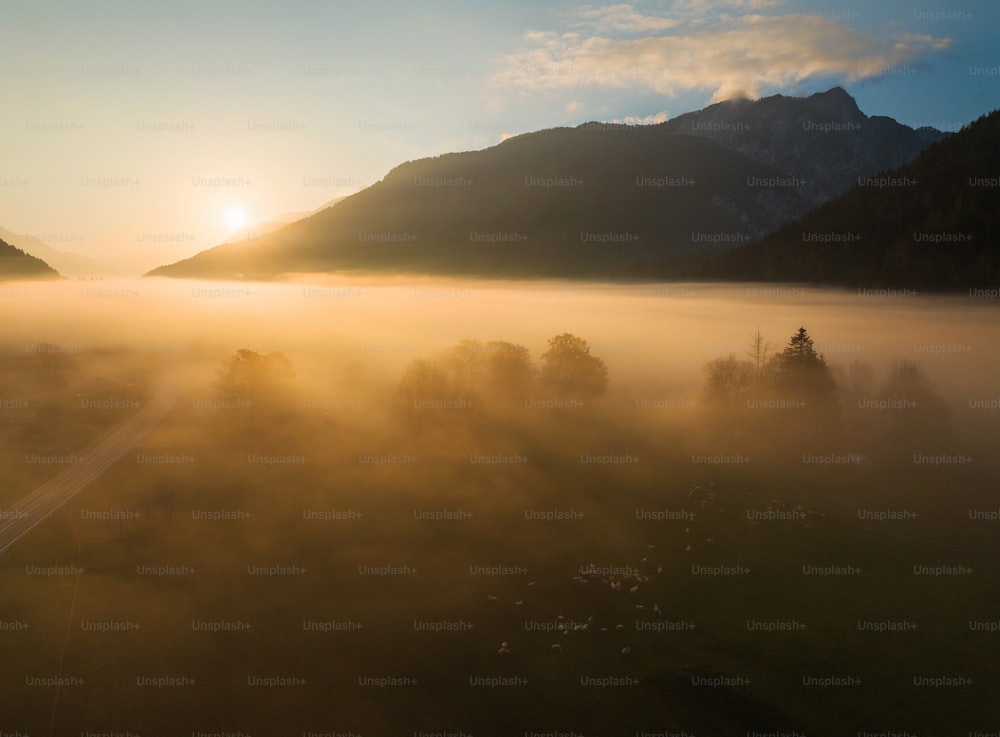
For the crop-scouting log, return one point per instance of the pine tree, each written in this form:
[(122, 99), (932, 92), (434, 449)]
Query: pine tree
[(801, 373)]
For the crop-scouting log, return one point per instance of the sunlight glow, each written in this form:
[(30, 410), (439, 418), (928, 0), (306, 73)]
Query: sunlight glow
[(235, 218)]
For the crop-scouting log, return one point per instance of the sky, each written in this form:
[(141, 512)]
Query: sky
[(141, 133)]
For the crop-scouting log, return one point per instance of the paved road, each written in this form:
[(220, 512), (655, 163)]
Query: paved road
[(18, 520)]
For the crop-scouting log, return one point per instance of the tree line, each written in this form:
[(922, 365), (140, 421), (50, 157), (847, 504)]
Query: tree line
[(852, 403)]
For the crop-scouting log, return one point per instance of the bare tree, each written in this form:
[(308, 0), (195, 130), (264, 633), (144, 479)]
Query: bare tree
[(917, 415), (759, 352), (729, 383)]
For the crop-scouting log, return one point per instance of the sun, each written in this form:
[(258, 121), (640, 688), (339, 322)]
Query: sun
[(235, 218)]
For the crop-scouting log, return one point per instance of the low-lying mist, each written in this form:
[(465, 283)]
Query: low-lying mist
[(350, 342), (654, 338), (658, 332)]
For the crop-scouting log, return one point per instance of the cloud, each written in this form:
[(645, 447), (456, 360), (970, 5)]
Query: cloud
[(660, 117), (744, 54), (574, 106), (624, 18), (707, 6)]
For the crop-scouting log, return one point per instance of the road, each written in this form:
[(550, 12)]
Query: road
[(18, 520)]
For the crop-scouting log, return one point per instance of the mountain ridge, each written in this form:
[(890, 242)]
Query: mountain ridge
[(823, 139), (678, 187), (931, 224)]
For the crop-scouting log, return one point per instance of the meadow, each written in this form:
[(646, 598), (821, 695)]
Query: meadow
[(330, 556)]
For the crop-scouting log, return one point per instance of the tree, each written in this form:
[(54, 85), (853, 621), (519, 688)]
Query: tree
[(799, 372), (568, 368), (759, 352), (916, 413), (263, 380), (801, 378), (906, 381), (465, 376), (437, 390), (729, 383), (857, 380), (425, 381), (509, 370), (464, 365)]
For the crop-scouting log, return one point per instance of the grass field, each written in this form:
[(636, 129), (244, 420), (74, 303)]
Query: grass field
[(489, 575)]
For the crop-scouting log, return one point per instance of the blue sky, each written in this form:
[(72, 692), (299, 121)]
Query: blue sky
[(131, 128)]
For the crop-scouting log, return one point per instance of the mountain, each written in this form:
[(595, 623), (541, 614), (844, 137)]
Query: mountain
[(67, 263), (824, 140), (597, 200), (933, 224), (16, 264), (560, 202)]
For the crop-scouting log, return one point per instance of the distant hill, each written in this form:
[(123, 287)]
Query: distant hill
[(16, 264), (67, 263), (597, 200), (931, 224)]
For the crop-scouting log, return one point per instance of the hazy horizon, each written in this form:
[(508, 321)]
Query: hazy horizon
[(397, 311)]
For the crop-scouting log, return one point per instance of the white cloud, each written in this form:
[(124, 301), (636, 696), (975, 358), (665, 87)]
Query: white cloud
[(574, 106), (746, 54), (714, 6), (660, 117), (624, 18)]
